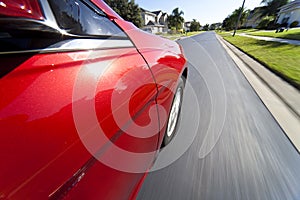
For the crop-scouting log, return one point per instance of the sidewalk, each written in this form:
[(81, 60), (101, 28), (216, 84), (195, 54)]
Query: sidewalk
[(271, 39), (282, 100)]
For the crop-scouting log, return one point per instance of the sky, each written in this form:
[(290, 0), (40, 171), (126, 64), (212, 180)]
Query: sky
[(204, 11)]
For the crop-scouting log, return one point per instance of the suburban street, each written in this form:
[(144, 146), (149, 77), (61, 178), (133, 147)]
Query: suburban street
[(228, 145)]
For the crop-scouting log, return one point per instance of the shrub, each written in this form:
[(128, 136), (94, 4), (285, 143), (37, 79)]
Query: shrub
[(273, 26), (172, 30), (294, 24), (266, 23), (285, 24)]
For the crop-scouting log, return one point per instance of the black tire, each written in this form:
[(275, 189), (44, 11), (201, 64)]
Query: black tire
[(173, 121)]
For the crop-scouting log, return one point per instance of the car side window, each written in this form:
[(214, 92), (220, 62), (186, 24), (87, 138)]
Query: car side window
[(78, 18)]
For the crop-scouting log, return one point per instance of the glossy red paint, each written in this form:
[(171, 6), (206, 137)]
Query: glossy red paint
[(52, 105), (37, 125), (21, 8), (106, 9), (166, 60)]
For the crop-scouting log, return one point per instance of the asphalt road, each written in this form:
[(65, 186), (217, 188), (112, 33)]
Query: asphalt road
[(228, 145)]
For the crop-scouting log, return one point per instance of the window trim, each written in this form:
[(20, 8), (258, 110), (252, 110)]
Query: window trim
[(74, 45)]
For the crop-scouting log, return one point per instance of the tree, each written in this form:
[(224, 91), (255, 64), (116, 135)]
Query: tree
[(206, 27), (195, 26), (215, 26), (230, 21), (266, 23), (175, 19), (271, 7), (269, 11), (128, 10), (218, 26), (228, 24)]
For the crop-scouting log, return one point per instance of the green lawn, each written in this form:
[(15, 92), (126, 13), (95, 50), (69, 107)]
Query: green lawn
[(177, 36), (246, 30), (293, 34), (194, 33), (279, 57)]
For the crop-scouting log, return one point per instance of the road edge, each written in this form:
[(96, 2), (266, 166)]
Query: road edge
[(261, 80)]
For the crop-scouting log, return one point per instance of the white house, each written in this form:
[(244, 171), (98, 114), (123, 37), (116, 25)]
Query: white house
[(289, 13), (187, 26), (155, 22)]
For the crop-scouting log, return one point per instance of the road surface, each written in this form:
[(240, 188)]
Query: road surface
[(228, 145)]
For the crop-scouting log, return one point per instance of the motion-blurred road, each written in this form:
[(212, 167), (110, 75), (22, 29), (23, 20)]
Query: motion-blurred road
[(230, 146)]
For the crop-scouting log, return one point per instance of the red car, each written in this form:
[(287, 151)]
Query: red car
[(87, 100)]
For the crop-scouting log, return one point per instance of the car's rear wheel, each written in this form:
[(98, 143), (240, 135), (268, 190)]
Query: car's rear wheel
[(174, 113)]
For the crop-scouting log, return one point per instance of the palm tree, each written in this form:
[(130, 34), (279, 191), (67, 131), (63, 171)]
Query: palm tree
[(229, 22), (271, 7), (175, 19), (195, 25)]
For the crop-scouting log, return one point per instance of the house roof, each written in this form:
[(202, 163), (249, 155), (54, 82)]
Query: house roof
[(256, 13), (160, 18), (290, 6), (144, 10), (148, 12), (151, 23), (157, 12)]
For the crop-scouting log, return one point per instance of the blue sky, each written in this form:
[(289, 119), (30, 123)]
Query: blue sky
[(205, 11)]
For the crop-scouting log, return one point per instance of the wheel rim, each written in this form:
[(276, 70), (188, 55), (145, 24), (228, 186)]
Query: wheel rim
[(174, 113)]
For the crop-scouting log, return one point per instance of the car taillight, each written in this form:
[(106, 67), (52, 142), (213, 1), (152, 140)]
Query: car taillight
[(21, 8)]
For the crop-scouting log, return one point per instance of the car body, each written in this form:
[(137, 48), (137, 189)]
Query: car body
[(84, 100)]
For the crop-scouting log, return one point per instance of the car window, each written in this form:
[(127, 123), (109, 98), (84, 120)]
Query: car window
[(77, 17)]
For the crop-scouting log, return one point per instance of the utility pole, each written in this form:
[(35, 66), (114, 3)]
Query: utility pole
[(237, 22)]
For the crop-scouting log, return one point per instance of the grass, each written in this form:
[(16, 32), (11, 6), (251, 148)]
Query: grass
[(193, 33), (246, 30), (293, 34), (283, 59), (225, 34), (177, 36)]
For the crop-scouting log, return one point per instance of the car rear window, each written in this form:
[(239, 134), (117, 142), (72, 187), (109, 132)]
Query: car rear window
[(77, 17)]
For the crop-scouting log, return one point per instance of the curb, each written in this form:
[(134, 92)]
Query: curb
[(287, 93), (282, 76), (281, 99)]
